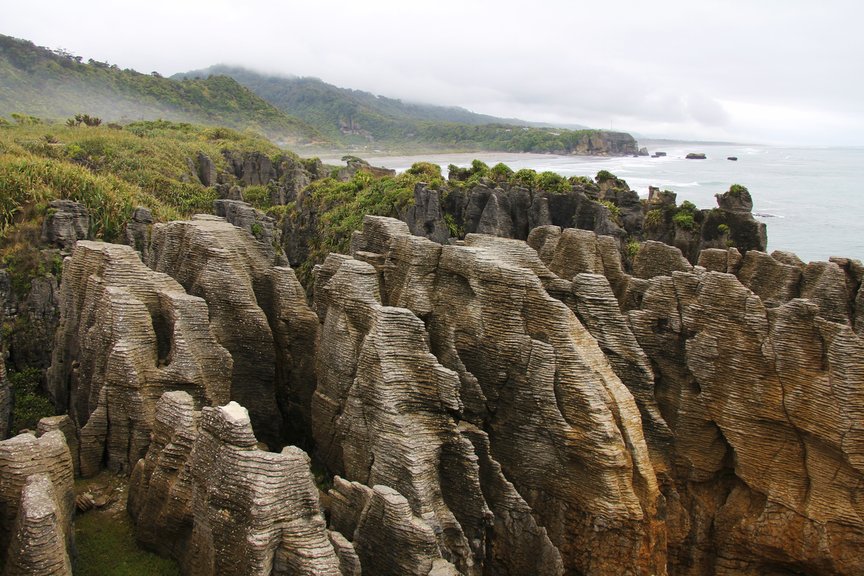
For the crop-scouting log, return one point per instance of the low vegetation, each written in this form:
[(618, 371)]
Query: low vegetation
[(29, 404), (105, 540), (55, 84), (110, 171), (341, 206), (684, 217)]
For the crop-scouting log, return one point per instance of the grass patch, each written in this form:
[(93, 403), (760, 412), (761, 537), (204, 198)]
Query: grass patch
[(30, 405), (106, 547), (106, 543)]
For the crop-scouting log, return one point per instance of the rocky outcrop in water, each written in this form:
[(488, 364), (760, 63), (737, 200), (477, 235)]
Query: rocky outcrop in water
[(731, 224), (207, 496), (126, 335), (256, 310), (36, 505)]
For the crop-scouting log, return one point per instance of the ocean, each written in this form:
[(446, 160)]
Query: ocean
[(812, 199)]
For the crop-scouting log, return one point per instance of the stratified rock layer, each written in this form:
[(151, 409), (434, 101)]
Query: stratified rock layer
[(5, 401), (38, 545), (384, 417), (36, 504), (65, 223), (127, 334), (257, 311), (766, 407), (207, 496), (563, 429)]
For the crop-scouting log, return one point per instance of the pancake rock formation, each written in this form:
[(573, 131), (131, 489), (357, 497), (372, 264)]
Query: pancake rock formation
[(36, 505), (257, 311), (207, 496), (126, 335), (523, 398), (759, 379)]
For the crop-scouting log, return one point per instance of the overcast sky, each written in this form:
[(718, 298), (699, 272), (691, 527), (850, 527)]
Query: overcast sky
[(788, 72)]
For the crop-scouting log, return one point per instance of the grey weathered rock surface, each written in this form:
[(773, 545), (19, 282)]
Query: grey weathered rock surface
[(33, 319), (38, 544), (257, 311), (259, 225), (5, 401), (65, 224), (425, 217), (389, 538), (563, 428), (763, 404), (207, 496), (205, 169), (126, 335), (36, 504), (138, 231), (66, 426)]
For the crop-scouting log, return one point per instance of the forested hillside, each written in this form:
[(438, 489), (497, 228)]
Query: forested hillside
[(55, 85)]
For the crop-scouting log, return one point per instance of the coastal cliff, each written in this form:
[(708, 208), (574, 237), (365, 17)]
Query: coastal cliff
[(492, 407), (526, 374)]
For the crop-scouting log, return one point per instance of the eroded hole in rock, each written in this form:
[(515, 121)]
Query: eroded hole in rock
[(163, 326)]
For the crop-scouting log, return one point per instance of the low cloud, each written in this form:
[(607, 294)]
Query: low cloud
[(634, 65)]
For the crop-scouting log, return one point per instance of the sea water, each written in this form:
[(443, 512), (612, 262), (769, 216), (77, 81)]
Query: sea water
[(812, 199)]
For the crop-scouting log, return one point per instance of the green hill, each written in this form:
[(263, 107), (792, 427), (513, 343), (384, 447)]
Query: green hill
[(341, 113), (357, 118), (56, 85)]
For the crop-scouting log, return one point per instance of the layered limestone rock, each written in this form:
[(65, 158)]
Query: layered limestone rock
[(38, 544), (207, 496), (138, 231), (260, 225), (36, 504), (5, 401), (780, 277), (389, 538), (565, 432), (126, 335), (384, 414), (257, 311), (65, 223), (571, 251), (65, 425), (160, 488), (592, 300), (761, 395), (765, 405), (659, 259)]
